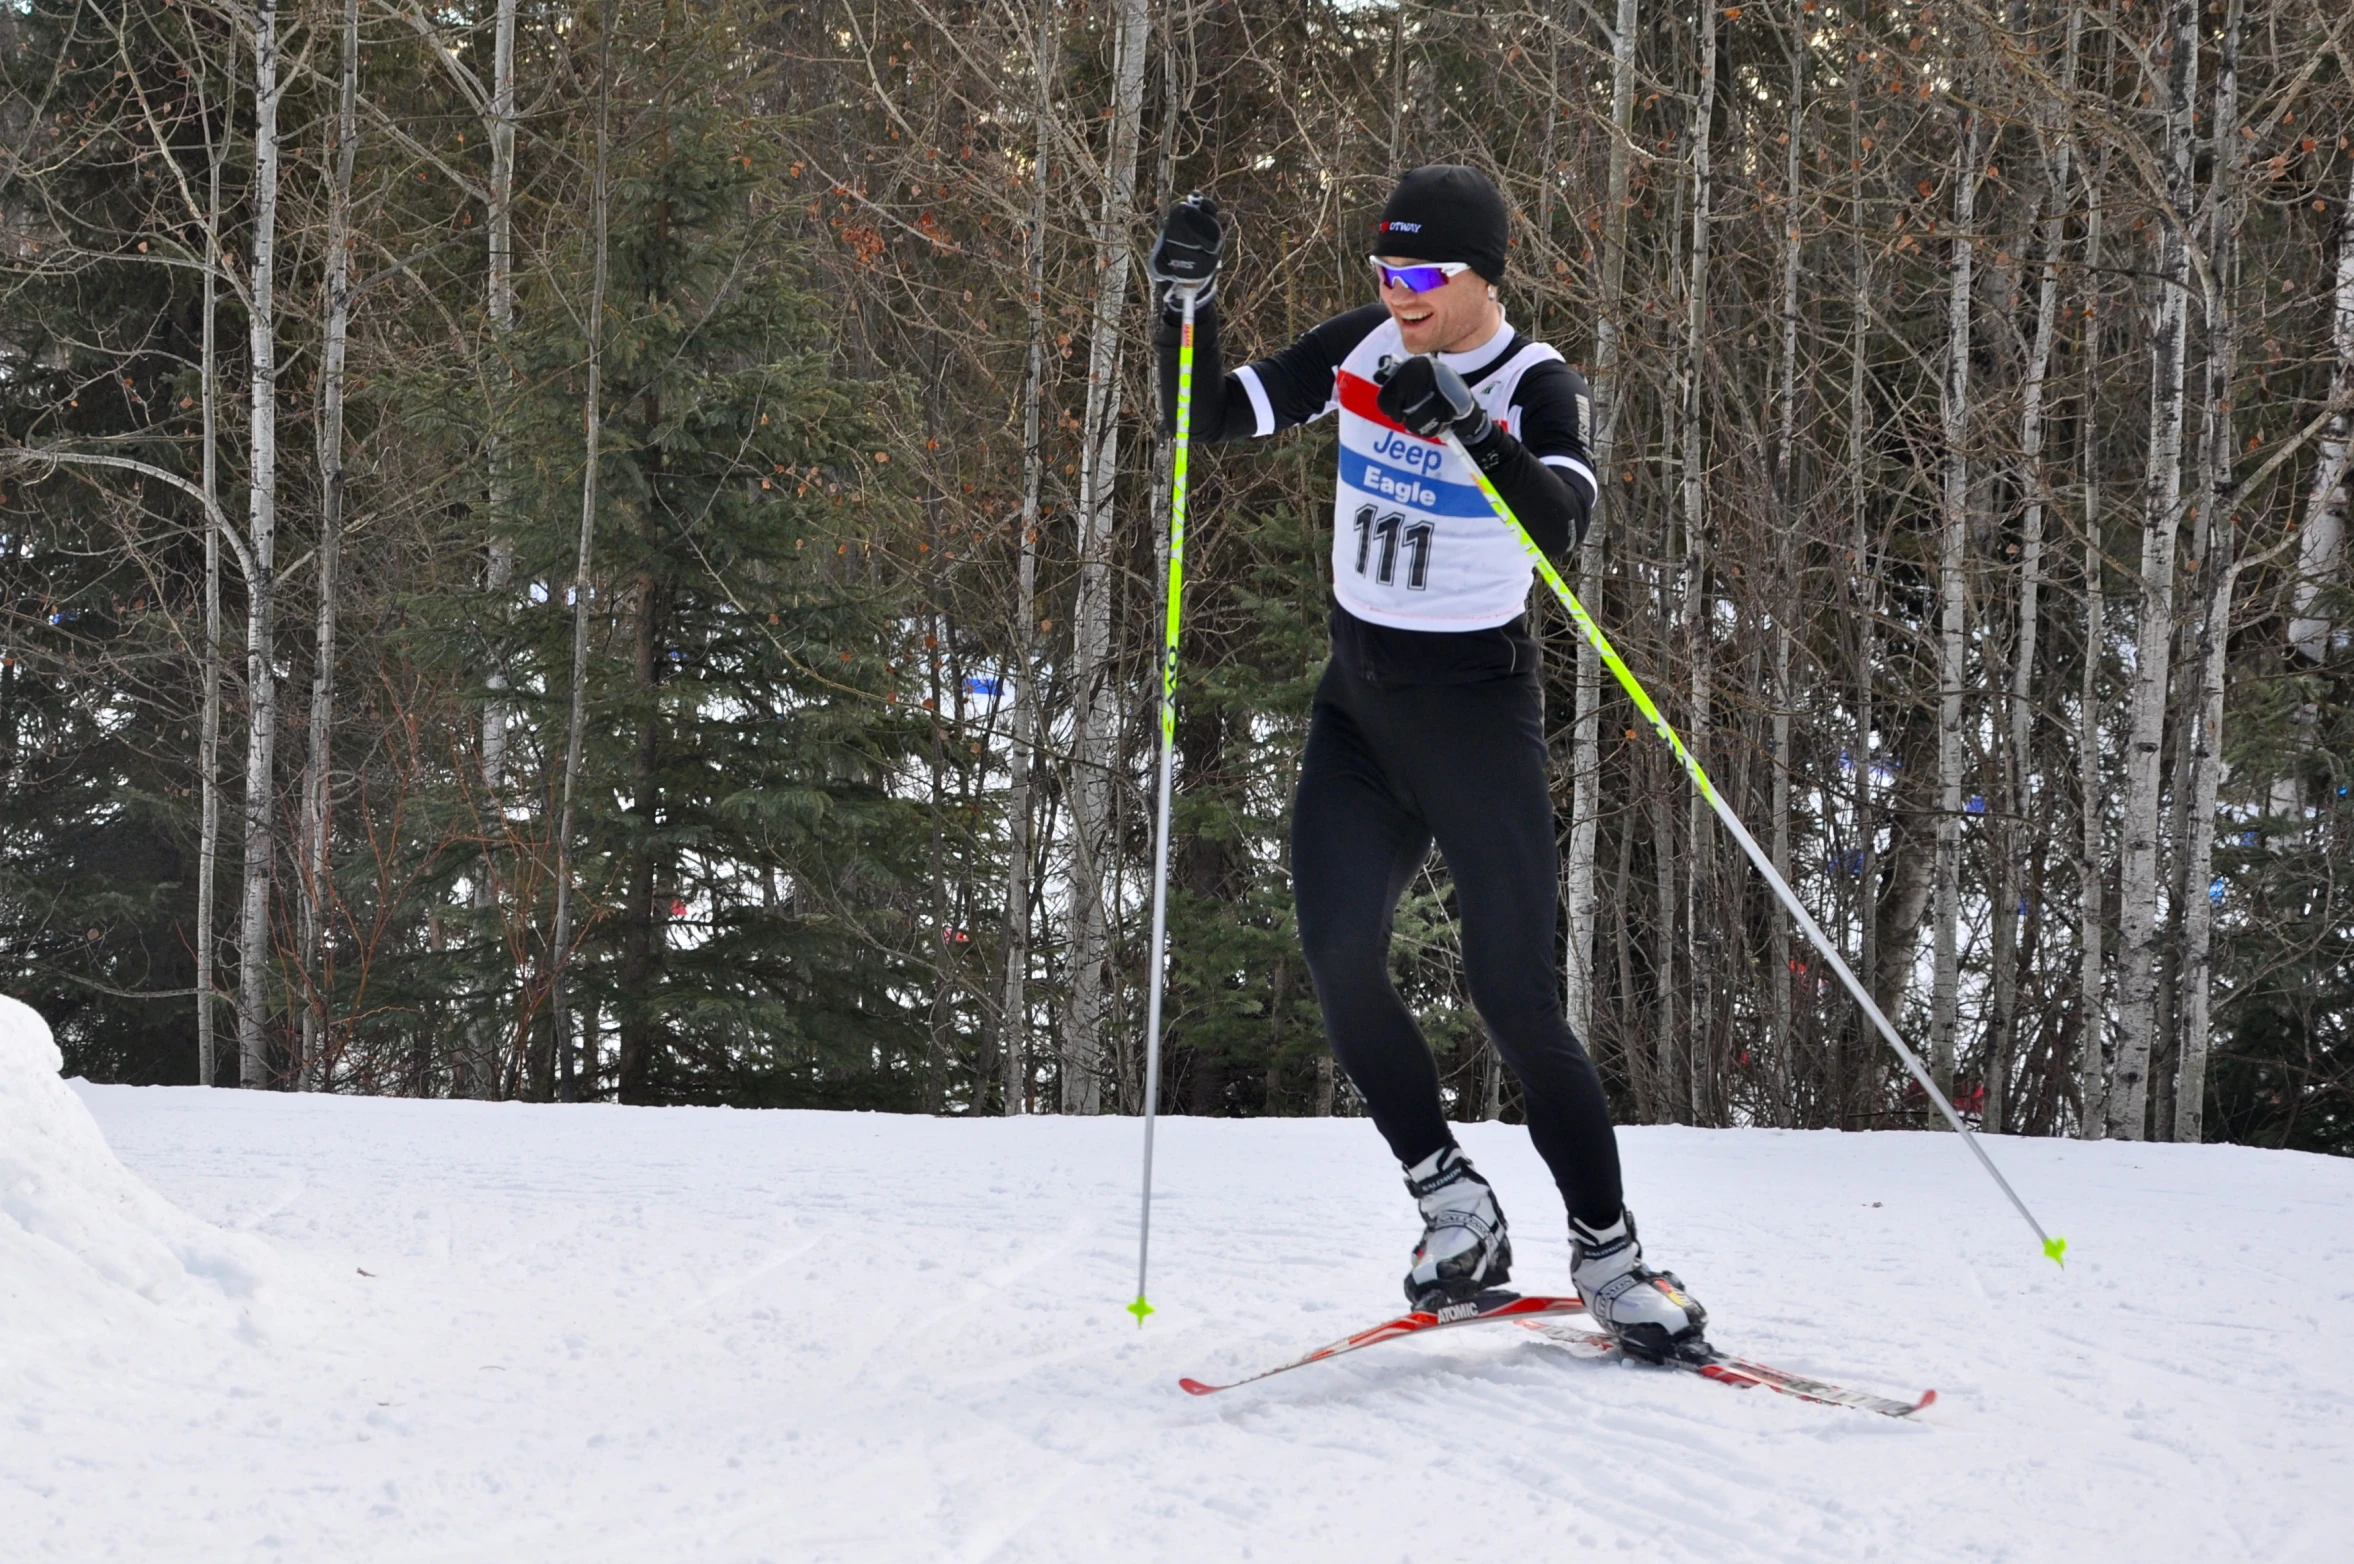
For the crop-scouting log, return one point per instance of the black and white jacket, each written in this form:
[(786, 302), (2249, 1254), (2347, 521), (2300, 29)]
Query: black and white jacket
[(1415, 546)]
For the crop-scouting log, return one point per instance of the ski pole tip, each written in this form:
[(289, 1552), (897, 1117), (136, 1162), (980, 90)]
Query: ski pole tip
[(2054, 1250), (1140, 1309)]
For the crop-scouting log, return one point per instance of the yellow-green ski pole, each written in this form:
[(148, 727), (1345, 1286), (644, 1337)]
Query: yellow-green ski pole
[(1160, 839), (2053, 1248)]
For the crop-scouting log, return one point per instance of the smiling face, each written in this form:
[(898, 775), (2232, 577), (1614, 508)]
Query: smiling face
[(1451, 319)]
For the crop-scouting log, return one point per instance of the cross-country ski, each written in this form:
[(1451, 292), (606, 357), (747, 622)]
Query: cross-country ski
[(1541, 1314), (1725, 1369), (1482, 1309)]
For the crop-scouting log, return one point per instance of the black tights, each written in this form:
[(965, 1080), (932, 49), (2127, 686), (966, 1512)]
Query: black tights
[(1389, 769)]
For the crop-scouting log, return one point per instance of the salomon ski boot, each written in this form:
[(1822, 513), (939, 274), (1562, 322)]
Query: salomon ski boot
[(1648, 1311), (1465, 1249)]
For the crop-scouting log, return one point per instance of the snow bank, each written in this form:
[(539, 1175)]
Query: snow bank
[(84, 1244)]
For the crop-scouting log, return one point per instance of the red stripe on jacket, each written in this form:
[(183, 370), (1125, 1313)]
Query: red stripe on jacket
[(1359, 395)]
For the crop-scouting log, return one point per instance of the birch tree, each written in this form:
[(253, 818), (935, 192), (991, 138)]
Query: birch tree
[(2055, 147), (1095, 700), (2219, 572), (312, 1062), (592, 443), (1609, 331), (208, 835), (254, 949), (482, 1055), (2091, 993), (1698, 609), (1022, 723), (1780, 1018), (1953, 561), (2161, 506), (2321, 546)]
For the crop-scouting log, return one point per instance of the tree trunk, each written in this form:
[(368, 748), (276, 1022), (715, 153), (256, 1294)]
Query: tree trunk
[(261, 732), (940, 1024), (1095, 704), (1861, 582), (484, 1035), (2321, 547), (208, 844), (1586, 730), (312, 1065), (2220, 570), (1699, 600), (2138, 888), (1953, 563), (2091, 998), (592, 432), (1013, 1016), (1781, 1027), (2003, 1037), (1668, 1091)]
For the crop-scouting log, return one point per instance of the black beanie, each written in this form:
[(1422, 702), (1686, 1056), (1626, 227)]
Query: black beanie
[(1446, 212)]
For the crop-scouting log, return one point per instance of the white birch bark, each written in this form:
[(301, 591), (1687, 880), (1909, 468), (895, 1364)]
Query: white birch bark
[(1586, 731), (2321, 546), (312, 1064), (1953, 561), (2138, 910), (2218, 497), (2091, 1001), (208, 844), (1094, 703), (485, 1034), (261, 730)]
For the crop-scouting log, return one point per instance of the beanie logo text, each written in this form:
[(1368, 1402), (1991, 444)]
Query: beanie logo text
[(1401, 228)]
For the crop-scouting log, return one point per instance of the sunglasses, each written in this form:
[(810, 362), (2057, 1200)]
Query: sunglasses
[(1422, 278)]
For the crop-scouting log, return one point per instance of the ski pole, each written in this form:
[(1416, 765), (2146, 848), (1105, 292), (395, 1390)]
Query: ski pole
[(2054, 1249), (1160, 839)]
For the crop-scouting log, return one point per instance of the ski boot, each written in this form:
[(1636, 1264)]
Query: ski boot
[(1465, 1249), (1648, 1311)]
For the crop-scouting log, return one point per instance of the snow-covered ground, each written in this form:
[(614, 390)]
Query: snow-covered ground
[(459, 1331)]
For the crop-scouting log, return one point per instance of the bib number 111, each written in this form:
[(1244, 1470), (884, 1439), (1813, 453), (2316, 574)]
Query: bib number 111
[(1380, 541)]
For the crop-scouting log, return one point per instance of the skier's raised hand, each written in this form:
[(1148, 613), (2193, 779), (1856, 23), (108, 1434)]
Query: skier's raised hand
[(1423, 396), (1186, 254)]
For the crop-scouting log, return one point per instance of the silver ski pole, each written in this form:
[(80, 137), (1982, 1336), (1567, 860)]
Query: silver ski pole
[(1160, 838), (2054, 1249)]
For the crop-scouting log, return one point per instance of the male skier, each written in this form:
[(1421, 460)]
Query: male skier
[(1428, 724)]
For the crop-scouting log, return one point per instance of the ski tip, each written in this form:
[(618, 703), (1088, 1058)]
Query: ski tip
[(1140, 1309), (1928, 1400), (2056, 1251), (1194, 1387)]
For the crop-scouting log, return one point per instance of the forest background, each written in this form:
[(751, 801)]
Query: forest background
[(614, 551)]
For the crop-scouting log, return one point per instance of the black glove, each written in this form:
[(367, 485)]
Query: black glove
[(1186, 255), (1423, 396)]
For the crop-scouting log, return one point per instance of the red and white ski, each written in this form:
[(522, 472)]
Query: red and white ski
[(1528, 1308), (1726, 1369), (1539, 1313)]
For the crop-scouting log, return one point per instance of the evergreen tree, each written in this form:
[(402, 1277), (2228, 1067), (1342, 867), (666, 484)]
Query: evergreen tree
[(750, 873)]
